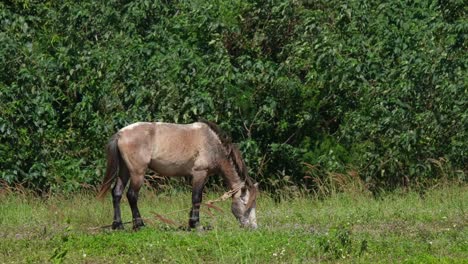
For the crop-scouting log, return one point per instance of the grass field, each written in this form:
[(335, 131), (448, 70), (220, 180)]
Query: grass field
[(346, 228)]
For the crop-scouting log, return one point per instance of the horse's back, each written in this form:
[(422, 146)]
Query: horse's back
[(182, 140), (179, 149)]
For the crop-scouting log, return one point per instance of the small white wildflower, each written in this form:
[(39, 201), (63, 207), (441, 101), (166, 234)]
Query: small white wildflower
[(84, 255)]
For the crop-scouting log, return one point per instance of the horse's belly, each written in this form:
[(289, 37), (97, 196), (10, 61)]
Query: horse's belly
[(171, 167)]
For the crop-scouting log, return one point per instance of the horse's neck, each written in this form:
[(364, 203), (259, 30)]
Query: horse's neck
[(234, 182), (232, 178)]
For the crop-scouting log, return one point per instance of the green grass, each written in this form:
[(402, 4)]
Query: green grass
[(397, 227)]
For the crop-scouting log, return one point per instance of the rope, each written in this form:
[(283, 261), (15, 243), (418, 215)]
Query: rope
[(227, 194)]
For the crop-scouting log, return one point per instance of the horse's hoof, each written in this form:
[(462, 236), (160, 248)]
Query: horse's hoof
[(193, 224), (138, 223), (138, 227), (198, 228), (117, 226)]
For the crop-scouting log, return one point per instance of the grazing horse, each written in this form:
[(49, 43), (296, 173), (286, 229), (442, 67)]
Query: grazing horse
[(198, 150)]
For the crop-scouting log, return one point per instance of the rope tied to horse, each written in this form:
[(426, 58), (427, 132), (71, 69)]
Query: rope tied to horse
[(227, 194)]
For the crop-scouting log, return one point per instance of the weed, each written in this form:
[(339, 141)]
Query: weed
[(337, 242)]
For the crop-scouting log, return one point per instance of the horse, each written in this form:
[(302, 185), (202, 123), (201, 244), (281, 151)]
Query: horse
[(198, 150)]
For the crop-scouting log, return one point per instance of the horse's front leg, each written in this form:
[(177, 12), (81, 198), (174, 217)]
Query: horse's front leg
[(198, 182)]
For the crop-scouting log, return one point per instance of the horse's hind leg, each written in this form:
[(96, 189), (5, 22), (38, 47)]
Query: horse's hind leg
[(117, 192), (132, 196)]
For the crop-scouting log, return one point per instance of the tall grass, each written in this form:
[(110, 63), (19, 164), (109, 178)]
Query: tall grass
[(346, 227)]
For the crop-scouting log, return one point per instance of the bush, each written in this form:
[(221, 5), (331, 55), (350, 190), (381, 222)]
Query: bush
[(377, 88)]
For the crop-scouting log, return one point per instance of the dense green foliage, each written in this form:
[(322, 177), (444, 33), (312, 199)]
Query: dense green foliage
[(377, 89)]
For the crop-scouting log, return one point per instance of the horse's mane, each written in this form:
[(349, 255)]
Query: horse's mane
[(225, 139), (232, 150)]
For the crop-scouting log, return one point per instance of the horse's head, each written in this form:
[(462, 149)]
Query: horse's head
[(244, 204)]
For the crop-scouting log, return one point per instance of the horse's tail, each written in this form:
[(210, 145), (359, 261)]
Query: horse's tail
[(113, 161)]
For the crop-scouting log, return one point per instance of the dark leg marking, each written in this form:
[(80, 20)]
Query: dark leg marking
[(132, 197), (194, 219), (116, 197)]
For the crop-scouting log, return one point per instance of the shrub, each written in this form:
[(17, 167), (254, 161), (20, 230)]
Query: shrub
[(378, 88)]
